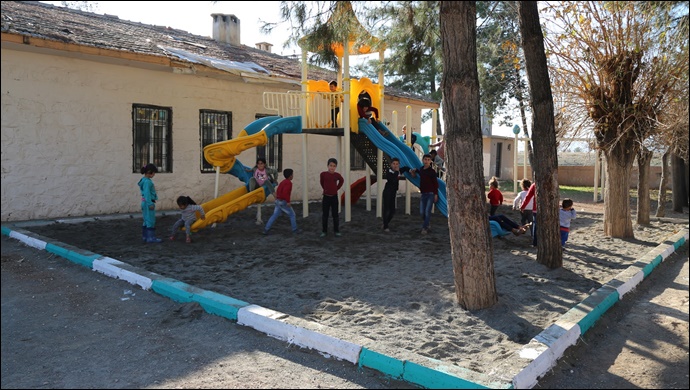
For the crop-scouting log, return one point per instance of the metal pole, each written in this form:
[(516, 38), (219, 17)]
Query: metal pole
[(597, 168), (516, 131), (305, 178), (408, 140)]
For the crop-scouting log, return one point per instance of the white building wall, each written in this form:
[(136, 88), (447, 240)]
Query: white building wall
[(67, 135)]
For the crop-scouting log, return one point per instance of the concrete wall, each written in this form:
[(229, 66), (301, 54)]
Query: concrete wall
[(67, 135), (584, 176)]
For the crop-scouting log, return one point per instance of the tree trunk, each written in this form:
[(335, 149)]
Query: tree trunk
[(523, 116), (549, 251), (470, 237), (644, 201), (680, 198), (617, 216), (661, 205)]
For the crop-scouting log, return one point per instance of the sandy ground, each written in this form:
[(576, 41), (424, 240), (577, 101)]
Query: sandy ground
[(395, 288)]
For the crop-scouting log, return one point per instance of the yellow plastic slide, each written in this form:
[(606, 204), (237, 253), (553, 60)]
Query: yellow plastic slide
[(218, 210), (222, 154)]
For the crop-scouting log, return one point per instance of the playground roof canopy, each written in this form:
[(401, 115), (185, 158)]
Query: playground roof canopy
[(344, 21)]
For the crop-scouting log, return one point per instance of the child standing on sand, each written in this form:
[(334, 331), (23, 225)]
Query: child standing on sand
[(390, 191), (283, 203), (148, 203), (331, 181), (565, 215), (526, 215), (428, 186)]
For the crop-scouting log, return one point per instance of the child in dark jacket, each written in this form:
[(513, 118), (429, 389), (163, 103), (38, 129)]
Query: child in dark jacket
[(390, 191)]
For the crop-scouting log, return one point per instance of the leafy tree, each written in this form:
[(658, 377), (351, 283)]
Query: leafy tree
[(501, 65)]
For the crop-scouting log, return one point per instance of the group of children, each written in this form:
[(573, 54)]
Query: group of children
[(331, 182), (525, 201)]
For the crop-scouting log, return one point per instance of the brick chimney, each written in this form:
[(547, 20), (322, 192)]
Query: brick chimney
[(265, 46), (226, 28)]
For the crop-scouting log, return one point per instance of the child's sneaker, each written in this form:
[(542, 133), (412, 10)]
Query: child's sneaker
[(424, 231), (322, 235), (337, 234), (189, 240), (265, 232), (298, 231)]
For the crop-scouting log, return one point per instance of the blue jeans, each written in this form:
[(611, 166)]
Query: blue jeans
[(564, 235), (282, 207), (426, 202)]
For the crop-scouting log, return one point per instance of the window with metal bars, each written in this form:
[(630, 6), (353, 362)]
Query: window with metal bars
[(273, 151), (214, 126), (152, 136)]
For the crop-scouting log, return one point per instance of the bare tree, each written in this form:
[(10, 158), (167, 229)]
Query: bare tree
[(470, 237), (618, 62), (549, 250)]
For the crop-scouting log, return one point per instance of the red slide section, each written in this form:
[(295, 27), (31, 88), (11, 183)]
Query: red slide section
[(357, 189)]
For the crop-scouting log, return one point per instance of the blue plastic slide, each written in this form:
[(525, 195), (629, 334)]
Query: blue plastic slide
[(394, 147)]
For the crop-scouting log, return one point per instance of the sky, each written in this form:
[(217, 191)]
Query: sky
[(195, 17)]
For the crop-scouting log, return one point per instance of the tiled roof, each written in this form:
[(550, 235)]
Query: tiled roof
[(45, 21)]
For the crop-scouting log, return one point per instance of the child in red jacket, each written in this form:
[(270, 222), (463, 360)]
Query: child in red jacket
[(495, 196)]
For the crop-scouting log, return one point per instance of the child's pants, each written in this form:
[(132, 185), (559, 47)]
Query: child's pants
[(329, 203), (282, 207), (187, 226), (149, 215), (564, 235), (426, 202)]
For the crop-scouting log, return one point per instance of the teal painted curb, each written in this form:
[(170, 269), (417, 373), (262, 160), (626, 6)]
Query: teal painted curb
[(425, 372), (173, 289), (218, 304), (679, 243), (433, 379), (647, 270), (595, 306), (382, 363), (85, 259)]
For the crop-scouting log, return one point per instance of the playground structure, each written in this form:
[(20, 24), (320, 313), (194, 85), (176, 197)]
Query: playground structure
[(309, 112)]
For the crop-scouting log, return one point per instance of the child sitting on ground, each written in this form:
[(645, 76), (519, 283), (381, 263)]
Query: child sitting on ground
[(188, 217)]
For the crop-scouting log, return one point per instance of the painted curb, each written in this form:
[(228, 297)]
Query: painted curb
[(547, 347), (542, 352)]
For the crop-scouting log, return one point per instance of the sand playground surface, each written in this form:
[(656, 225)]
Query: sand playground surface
[(395, 288)]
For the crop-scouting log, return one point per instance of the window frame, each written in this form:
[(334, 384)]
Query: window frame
[(273, 150), (152, 137), (204, 166)]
